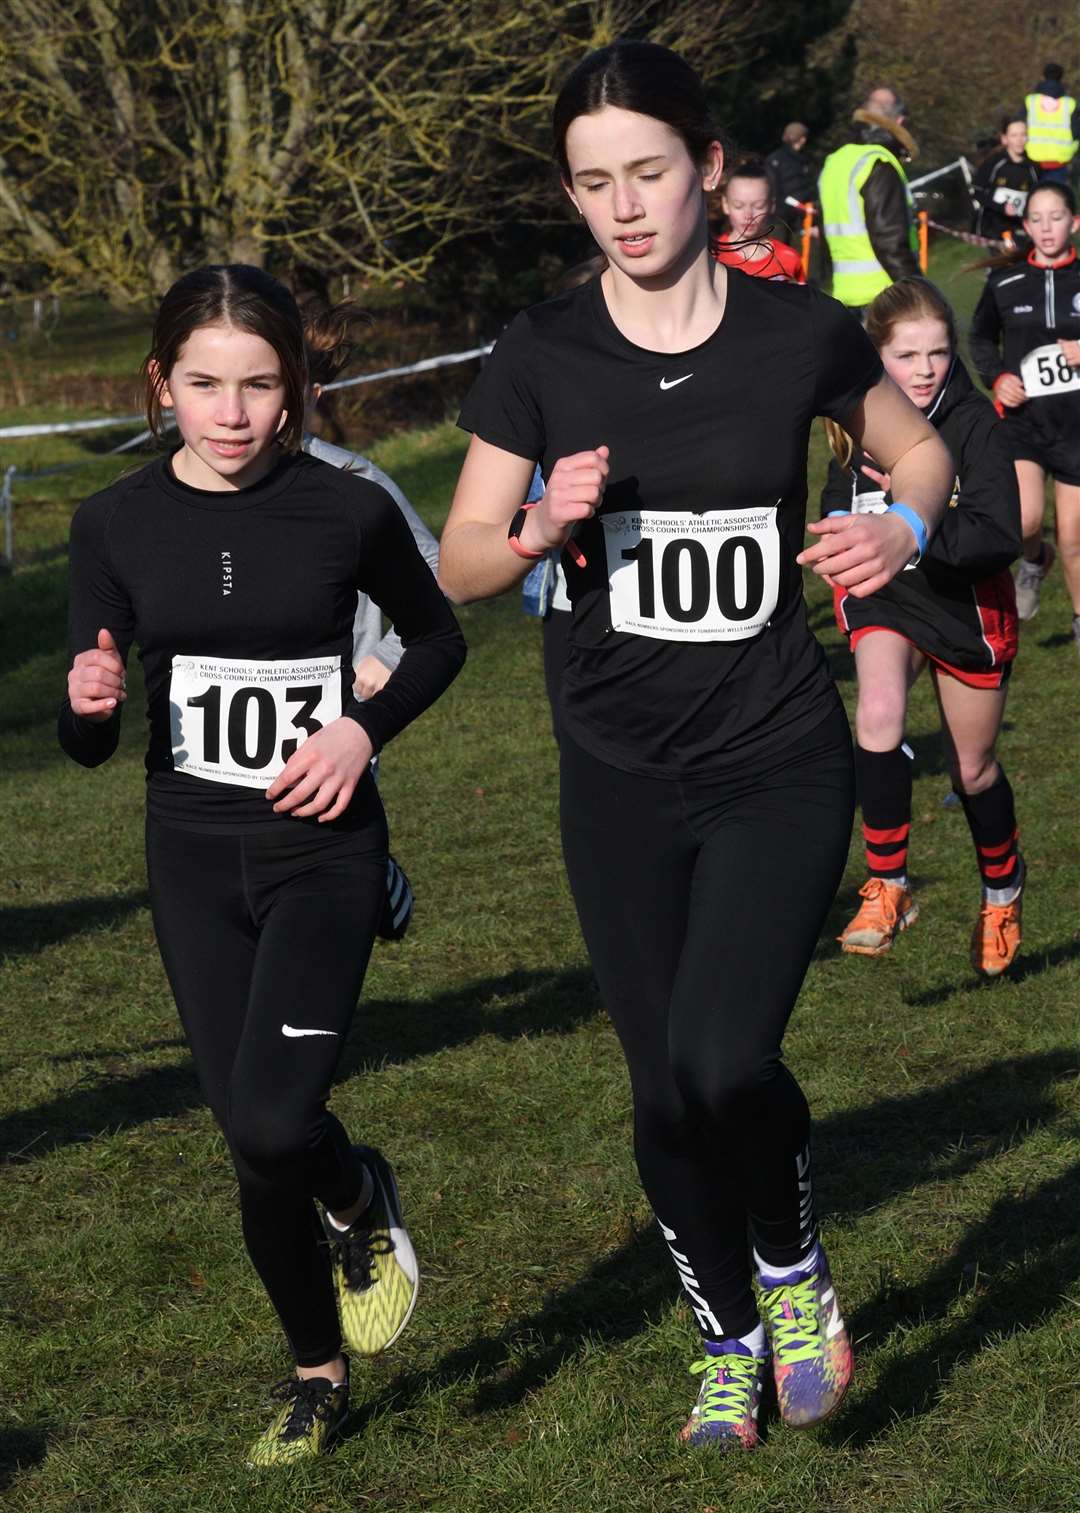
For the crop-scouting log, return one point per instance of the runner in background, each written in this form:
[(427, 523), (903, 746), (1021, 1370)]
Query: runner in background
[(704, 751), (331, 334), (1025, 342), (1003, 181), (746, 200), (955, 612), (234, 565)]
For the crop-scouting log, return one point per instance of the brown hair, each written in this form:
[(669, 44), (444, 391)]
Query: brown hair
[(639, 76), (909, 298), (331, 335), (229, 294), (1020, 254)]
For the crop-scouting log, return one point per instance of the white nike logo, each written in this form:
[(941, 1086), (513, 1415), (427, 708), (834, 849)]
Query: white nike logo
[(670, 383), (287, 1029)]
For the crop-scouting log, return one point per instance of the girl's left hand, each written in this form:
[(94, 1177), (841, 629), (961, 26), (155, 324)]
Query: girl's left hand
[(321, 775), (1070, 351), (883, 480), (859, 552)]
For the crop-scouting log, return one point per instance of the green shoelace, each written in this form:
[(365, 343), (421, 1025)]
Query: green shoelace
[(725, 1397), (797, 1338)]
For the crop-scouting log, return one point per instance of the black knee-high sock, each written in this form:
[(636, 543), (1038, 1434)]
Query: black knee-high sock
[(991, 817), (883, 785)]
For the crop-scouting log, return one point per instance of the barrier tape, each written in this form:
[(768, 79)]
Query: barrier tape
[(424, 366), (971, 237)]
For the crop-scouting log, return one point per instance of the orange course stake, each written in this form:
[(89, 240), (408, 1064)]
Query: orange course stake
[(924, 240), (807, 236)]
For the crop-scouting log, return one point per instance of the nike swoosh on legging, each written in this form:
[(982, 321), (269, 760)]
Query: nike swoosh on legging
[(287, 1029)]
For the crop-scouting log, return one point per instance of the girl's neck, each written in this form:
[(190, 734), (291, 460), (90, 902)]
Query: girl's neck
[(673, 312), (1066, 255), (1016, 157), (188, 467)]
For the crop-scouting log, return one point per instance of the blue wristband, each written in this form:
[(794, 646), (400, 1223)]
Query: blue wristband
[(907, 514), (831, 513)]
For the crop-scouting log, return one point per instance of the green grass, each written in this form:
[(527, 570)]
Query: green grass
[(545, 1368)]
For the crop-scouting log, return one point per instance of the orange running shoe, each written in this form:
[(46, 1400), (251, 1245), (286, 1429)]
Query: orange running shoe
[(887, 908), (995, 939)]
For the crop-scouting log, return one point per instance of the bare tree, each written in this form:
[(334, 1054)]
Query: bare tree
[(140, 138)]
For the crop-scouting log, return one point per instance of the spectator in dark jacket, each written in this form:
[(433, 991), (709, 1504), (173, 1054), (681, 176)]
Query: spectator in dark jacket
[(790, 179)]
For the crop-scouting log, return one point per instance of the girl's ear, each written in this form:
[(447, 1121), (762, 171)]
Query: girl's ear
[(160, 383), (281, 422), (572, 197), (712, 167), (1075, 225)]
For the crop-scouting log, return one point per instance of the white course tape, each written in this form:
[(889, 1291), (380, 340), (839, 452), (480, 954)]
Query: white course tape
[(117, 421)]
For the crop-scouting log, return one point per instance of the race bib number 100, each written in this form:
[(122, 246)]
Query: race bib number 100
[(681, 576), (240, 722), (1046, 370)]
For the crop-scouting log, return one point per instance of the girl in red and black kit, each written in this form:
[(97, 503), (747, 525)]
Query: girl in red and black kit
[(748, 205), (955, 610), (1025, 340)]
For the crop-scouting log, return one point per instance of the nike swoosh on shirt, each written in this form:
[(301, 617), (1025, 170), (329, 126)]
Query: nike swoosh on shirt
[(670, 383), (287, 1029)]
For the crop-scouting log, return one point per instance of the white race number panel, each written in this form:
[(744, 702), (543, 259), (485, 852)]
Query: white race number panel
[(240, 722), (1045, 371), (682, 576)]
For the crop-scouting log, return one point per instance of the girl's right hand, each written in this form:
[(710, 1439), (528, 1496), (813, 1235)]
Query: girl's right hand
[(1011, 392), (97, 682), (574, 491)]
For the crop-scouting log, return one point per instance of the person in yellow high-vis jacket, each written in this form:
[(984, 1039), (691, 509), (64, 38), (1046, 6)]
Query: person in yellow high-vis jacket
[(866, 207), (1053, 124)]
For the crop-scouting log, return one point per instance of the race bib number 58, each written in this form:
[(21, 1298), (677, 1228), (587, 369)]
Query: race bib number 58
[(681, 576), (1046, 370), (240, 722)]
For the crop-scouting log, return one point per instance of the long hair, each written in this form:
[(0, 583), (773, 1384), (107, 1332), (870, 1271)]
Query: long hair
[(229, 294), (332, 338), (1020, 254)]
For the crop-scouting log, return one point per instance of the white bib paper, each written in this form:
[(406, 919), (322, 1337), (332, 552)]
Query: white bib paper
[(1045, 371), (1017, 198), (687, 577), (873, 502), (240, 722)]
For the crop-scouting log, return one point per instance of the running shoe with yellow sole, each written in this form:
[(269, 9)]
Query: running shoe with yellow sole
[(887, 908), (725, 1416), (374, 1265), (812, 1359), (995, 939), (312, 1412)]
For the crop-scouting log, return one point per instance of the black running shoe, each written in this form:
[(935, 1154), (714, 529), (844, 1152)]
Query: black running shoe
[(398, 907)]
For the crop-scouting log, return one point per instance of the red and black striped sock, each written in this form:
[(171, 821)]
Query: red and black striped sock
[(991, 817), (883, 782)]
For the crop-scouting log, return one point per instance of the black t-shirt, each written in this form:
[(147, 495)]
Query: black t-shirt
[(242, 607), (689, 650)]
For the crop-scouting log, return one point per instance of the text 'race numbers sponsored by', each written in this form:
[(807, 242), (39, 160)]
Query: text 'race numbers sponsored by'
[(240, 722), (681, 576), (1046, 370)]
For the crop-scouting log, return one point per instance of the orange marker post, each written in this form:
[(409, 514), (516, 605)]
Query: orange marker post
[(807, 237), (924, 240)]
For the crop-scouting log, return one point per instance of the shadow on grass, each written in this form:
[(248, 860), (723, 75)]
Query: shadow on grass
[(1033, 965), (508, 1007), (20, 1448), (24, 931), (1016, 1267), (936, 1134)]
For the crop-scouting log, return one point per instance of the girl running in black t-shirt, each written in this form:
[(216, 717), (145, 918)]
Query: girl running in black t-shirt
[(704, 751), (235, 565), (1025, 340), (956, 612)]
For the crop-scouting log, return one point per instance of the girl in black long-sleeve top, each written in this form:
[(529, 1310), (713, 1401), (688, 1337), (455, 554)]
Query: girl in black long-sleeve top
[(955, 611)]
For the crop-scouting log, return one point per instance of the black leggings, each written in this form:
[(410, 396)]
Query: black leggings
[(262, 936), (701, 903)]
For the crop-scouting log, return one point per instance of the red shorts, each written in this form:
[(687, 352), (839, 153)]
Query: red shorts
[(992, 677)]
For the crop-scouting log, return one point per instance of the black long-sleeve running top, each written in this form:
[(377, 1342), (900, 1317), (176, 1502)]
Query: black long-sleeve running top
[(242, 607)]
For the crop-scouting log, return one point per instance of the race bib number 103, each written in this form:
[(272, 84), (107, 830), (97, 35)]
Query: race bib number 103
[(240, 722), (682, 576)]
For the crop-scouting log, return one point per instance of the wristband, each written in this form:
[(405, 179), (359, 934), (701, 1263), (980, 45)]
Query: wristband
[(916, 523), (515, 531)]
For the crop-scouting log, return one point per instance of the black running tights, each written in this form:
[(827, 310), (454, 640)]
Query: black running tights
[(265, 938), (701, 903)]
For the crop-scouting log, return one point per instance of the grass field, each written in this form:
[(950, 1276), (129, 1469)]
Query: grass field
[(545, 1370)]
